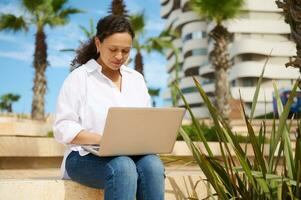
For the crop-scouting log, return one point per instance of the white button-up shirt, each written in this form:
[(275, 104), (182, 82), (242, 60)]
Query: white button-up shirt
[(85, 98)]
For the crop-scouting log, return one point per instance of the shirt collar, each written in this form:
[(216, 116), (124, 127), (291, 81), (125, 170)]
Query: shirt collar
[(92, 65)]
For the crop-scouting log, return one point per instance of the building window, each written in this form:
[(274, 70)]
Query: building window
[(206, 81), (233, 83), (192, 71), (246, 57), (248, 82), (196, 52), (194, 35)]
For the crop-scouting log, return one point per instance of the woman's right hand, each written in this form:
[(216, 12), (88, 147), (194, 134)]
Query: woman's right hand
[(85, 137)]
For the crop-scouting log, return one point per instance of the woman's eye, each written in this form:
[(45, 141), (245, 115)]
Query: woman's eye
[(113, 50)]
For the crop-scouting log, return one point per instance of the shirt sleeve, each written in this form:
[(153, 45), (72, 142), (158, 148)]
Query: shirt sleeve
[(67, 119)]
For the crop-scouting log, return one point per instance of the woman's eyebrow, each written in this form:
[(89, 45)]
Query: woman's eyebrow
[(121, 47)]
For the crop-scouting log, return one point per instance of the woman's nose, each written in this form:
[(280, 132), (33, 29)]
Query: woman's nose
[(118, 56)]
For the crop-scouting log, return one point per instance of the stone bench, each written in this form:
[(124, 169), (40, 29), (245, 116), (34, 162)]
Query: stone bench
[(44, 152), (44, 184), (46, 189)]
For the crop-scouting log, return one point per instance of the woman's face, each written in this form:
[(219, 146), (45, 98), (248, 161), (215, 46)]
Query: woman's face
[(114, 50)]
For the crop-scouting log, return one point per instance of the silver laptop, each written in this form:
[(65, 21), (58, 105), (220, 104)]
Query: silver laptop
[(138, 131)]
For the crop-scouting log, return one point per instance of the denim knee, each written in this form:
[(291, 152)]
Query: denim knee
[(123, 167), (151, 164)]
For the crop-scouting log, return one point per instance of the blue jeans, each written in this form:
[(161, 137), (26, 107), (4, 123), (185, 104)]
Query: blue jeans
[(121, 177)]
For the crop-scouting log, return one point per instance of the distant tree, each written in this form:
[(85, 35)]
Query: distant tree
[(160, 43), (118, 8), (39, 13), (219, 11), (153, 92), (7, 100), (138, 24), (157, 43)]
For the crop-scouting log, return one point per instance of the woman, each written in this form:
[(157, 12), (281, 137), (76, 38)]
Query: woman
[(102, 81)]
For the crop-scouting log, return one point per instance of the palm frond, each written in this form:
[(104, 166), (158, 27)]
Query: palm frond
[(217, 10), (68, 50), (158, 44), (57, 5), (13, 23), (62, 17), (33, 6), (88, 33), (138, 22), (172, 34), (65, 13)]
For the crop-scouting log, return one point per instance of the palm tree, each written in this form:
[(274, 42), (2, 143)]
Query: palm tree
[(292, 10), (7, 100), (118, 8), (39, 14), (219, 11), (138, 24), (153, 92), (161, 43), (158, 43)]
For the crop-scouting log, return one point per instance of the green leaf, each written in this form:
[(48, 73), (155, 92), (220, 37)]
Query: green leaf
[(226, 135), (13, 23), (195, 123), (256, 94), (205, 166), (258, 154), (282, 129)]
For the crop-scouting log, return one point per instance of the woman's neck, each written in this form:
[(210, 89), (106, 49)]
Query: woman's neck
[(114, 75)]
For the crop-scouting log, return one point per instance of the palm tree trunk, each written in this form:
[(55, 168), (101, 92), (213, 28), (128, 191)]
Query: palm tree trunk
[(118, 8), (292, 13), (139, 62), (220, 60), (40, 84), (10, 108)]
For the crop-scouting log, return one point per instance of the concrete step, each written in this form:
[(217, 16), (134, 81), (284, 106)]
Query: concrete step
[(44, 184), (240, 122), (14, 146), (24, 128)]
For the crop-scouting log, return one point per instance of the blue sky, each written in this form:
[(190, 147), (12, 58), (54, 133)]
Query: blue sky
[(16, 50)]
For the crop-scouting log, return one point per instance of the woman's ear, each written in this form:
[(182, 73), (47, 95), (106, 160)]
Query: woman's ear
[(97, 44)]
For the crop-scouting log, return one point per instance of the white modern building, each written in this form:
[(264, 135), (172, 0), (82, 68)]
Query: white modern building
[(258, 31)]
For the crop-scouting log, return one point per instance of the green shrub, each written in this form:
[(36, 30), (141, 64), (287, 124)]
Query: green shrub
[(209, 132), (275, 176)]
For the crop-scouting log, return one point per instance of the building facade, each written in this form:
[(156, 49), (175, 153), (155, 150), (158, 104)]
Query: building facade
[(258, 31)]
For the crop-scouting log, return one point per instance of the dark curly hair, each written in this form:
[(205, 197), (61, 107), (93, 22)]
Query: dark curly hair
[(105, 27)]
